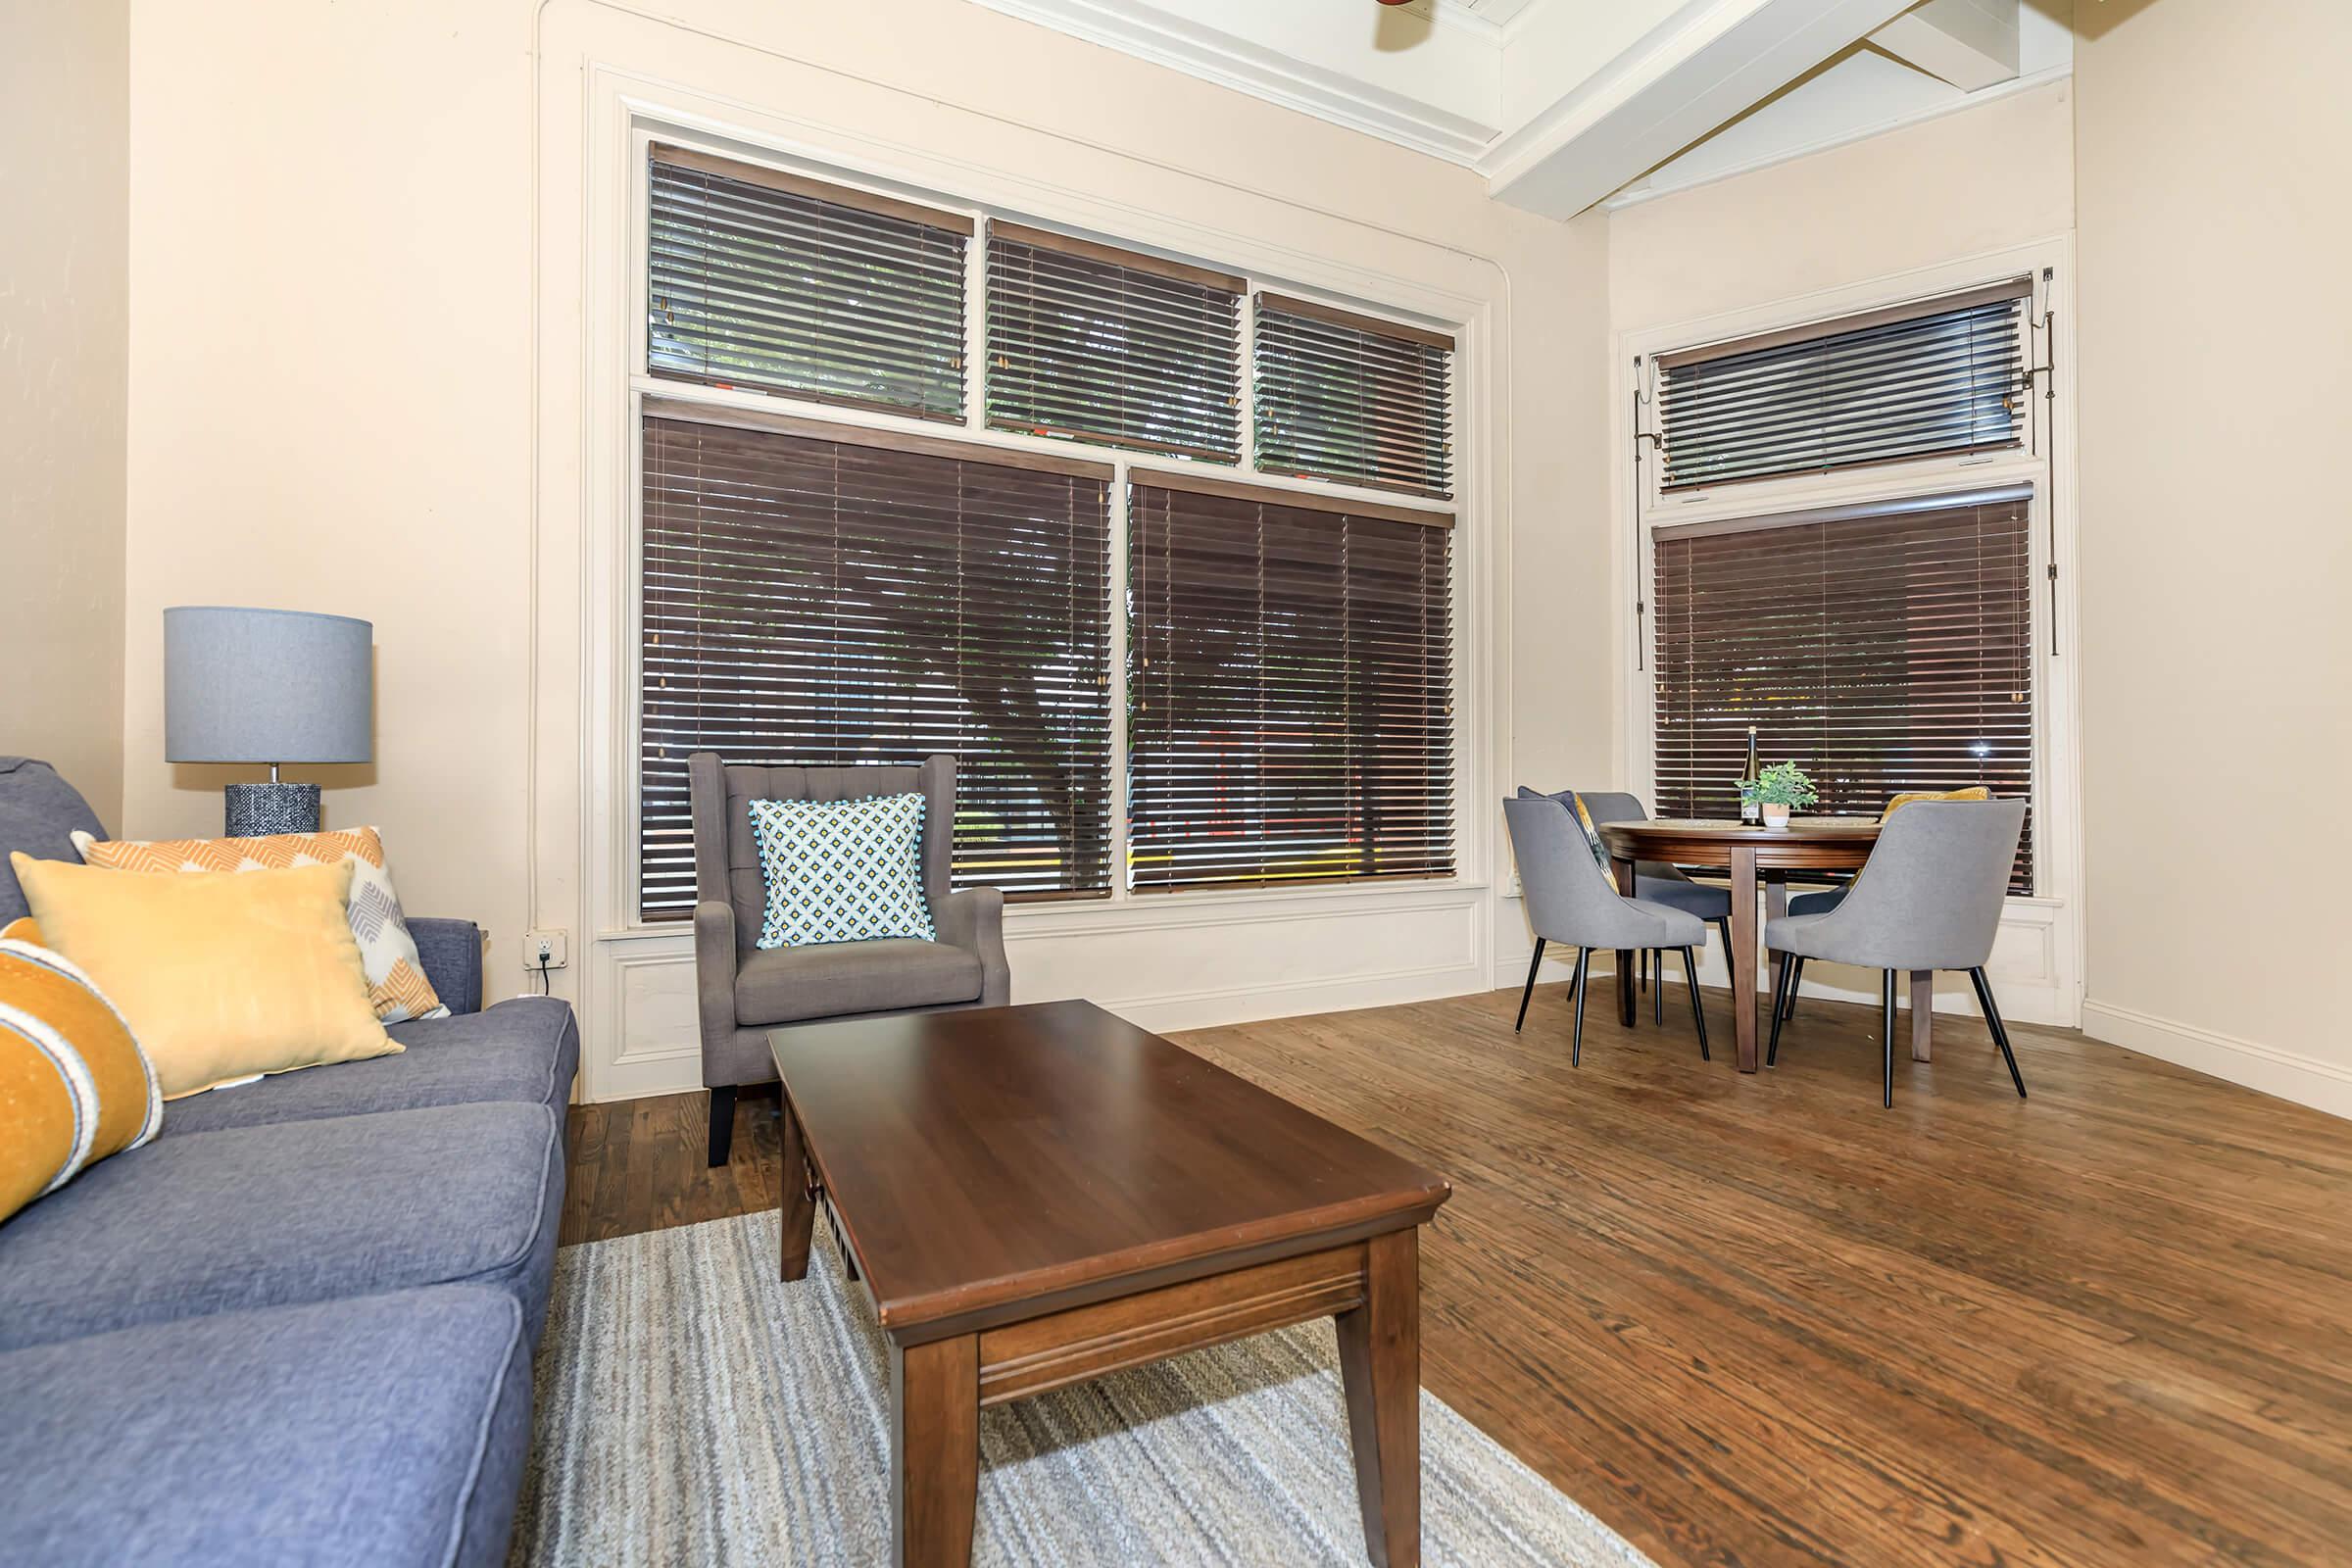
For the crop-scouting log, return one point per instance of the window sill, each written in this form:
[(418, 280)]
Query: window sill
[(1073, 916), (1147, 911)]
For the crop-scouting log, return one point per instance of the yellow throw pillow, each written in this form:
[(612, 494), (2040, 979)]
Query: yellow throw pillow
[(396, 982), (223, 975), (74, 1085), (1974, 792)]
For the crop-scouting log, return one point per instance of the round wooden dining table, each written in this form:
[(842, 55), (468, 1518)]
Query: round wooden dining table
[(1806, 844)]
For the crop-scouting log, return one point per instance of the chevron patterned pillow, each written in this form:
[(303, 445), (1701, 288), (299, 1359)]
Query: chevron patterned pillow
[(396, 984), (842, 870)]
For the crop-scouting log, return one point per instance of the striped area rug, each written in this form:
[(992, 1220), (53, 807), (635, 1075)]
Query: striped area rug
[(694, 1409)]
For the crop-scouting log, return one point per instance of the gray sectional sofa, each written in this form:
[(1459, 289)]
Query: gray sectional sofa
[(298, 1326)]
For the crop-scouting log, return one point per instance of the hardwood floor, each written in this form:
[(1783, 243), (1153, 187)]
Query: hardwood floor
[(1762, 1321)]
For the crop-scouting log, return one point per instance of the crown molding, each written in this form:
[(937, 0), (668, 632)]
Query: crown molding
[(1268, 75)]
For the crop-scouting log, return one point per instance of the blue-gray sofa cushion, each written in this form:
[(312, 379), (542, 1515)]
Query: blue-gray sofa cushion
[(524, 1049), (384, 1429), (39, 813), (278, 1216), (450, 951)]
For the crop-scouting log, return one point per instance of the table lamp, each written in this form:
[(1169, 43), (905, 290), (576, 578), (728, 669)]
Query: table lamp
[(272, 686)]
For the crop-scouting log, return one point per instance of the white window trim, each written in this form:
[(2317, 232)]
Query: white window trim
[(2055, 910), (614, 608)]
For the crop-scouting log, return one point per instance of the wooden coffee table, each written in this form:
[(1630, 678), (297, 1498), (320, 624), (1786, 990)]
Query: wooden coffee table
[(1037, 1196)]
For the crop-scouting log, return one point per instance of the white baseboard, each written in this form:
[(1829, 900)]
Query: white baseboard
[(2305, 1080)]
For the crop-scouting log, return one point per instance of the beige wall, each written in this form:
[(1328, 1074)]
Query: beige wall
[(2215, 153), (333, 389), (63, 130), (1995, 175), (330, 397)]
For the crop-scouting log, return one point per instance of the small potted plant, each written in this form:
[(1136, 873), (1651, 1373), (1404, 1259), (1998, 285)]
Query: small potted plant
[(1782, 788)]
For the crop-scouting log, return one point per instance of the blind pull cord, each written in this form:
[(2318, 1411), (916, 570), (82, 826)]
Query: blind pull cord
[(1640, 588), (2045, 377)]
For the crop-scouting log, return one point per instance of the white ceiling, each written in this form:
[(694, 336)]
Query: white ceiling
[(1496, 11), (1565, 103)]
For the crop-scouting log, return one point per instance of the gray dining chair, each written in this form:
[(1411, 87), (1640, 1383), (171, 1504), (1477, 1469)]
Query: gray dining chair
[(1571, 900), (1820, 900), (1654, 881), (1929, 898)]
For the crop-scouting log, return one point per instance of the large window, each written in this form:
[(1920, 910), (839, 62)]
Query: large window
[(818, 591), (1290, 686), (815, 597), (1888, 649), (1854, 587)]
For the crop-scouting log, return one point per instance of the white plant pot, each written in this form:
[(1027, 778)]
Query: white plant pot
[(1775, 815)]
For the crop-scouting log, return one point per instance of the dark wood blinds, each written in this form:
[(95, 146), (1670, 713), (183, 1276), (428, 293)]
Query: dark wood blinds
[(767, 280), (1111, 347), (1353, 398), (1291, 688), (1882, 652), (1936, 378), (817, 595)]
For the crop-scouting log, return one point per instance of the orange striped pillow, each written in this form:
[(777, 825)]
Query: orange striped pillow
[(75, 1085)]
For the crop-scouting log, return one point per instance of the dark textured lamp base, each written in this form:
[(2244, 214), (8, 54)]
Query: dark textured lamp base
[(255, 811)]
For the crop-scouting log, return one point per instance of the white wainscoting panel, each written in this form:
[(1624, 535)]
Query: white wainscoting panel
[(1165, 963), (2027, 971), (648, 1042)]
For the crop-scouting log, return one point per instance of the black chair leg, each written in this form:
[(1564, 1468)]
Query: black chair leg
[(1887, 1035), (1724, 925), (1533, 964), (1657, 992), (1698, 1014), (2000, 1035), (1796, 977), (1772, 1047), (1576, 1044), (722, 1122), (1642, 972)]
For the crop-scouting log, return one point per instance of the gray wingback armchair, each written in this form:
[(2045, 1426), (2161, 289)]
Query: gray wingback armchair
[(742, 990)]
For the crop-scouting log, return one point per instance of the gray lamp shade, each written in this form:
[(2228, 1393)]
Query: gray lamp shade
[(267, 686)]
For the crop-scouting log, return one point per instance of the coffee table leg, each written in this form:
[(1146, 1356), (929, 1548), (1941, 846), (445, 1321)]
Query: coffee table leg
[(1380, 1362), (934, 1450), (798, 1209)]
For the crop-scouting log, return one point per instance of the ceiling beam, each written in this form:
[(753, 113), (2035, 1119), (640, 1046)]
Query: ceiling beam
[(1969, 43), (1707, 63)]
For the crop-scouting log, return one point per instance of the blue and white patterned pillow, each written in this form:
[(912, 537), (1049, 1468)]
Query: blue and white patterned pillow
[(842, 870)]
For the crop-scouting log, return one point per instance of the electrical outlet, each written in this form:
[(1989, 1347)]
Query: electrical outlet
[(543, 948)]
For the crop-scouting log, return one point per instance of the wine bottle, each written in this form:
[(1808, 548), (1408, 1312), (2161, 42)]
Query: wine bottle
[(1750, 811)]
